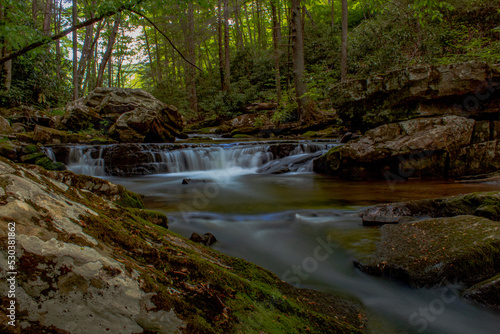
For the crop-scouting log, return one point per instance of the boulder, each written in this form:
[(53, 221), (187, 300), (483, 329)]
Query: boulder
[(86, 263), (486, 293), (47, 135), (128, 115), (421, 147), (5, 126), (420, 91), (207, 239), (437, 251)]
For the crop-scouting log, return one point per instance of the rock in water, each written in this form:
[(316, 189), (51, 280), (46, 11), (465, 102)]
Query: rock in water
[(128, 115)]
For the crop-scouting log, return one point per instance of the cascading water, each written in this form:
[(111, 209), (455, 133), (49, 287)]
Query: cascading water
[(168, 158)]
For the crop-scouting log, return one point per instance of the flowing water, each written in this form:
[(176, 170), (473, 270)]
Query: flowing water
[(302, 226)]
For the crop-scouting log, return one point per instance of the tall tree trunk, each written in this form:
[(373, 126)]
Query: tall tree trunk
[(248, 24), (276, 28), (34, 12), (298, 56), (227, 64), (191, 55), (7, 66), (343, 56), (75, 51), (148, 48), (46, 17), (237, 20), (333, 14), (158, 58), (219, 43), (86, 49), (110, 71), (109, 50), (57, 29)]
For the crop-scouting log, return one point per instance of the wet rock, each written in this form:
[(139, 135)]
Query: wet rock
[(47, 135), (422, 147), (207, 239), (18, 127), (437, 251), (195, 181), (486, 293), (5, 126), (128, 115), (380, 220)]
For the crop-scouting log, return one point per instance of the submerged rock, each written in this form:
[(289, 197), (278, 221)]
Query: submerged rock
[(486, 293), (88, 263)]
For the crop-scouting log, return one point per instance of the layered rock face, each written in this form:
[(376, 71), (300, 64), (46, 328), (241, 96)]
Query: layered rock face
[(443, 132), (129, 115), (89, 259)]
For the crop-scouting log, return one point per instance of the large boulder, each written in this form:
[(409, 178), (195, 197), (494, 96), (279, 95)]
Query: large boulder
[(128, 115), (422, 147), (469, 89), (4, 126), (437, 251), (88, 263)]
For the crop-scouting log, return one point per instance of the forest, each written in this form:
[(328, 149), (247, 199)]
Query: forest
[(211, 58)]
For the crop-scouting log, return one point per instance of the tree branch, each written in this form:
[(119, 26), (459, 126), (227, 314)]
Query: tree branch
[(60, 35), (164, 35)]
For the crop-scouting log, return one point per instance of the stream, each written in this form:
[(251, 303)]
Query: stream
[(302, 226)]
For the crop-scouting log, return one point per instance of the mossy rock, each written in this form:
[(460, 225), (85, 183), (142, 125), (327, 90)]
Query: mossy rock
[(486, 293), (130, 199), (437, 251), (49, 164), (32, 157), (310, 134), (241, 136), (153, 217)]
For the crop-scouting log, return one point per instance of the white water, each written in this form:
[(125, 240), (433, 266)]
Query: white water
[(249, 157)]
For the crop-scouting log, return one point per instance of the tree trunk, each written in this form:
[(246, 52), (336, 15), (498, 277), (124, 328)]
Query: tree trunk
[(7, 66), (248, 24), (343, 56), (190, 70), (298, 56), (333, 14), (219, 43), (276, 28), (110, 71), (34, 11), (46, 17), (237, 20), (227, 68), (109, 51), (57, 29), (75, 51), (148, 48), (158, 58)]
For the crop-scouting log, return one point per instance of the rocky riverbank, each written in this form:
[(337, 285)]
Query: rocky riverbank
[(460, 244), (440, 122), (89, 258)]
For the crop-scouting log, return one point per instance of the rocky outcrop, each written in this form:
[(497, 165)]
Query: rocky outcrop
[(447, 146), (5, 126), (464, 89), (86, 262), (437, 251), (127, 115)]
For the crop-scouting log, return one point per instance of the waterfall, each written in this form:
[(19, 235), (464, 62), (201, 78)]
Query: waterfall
[(269, 157)]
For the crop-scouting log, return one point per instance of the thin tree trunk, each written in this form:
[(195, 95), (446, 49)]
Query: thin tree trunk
[(227, 64), (34, 12), (109, 51), (343, 56), (219, 42), (75, 51), (110, 71), (151, 64), (298, 56), (7, 66), (237, 20), (46, 17), (92, 60), (190, 71), (158, 58), (276, 52), (333, 14), (248, 24), (57, 29)]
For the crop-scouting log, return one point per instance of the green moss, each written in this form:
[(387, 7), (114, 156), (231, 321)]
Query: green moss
[(32, 157), (130, 199), (153, 217), (49, 164), (31, 149), (310, 134), (241, 136)]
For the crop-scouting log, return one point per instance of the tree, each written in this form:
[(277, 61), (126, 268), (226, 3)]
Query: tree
[(75, 51), (109, 50), (343, 56), (298, 56)]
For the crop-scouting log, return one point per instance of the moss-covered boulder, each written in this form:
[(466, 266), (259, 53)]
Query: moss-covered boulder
[(486, 293), (486, 204), (88, 265), (437, 251)]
